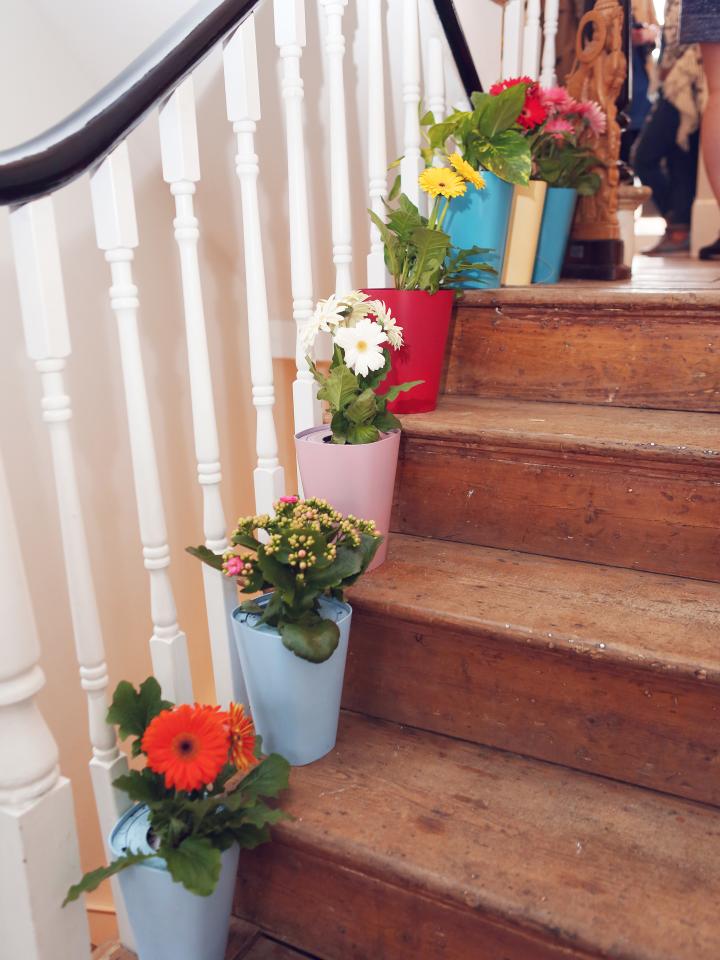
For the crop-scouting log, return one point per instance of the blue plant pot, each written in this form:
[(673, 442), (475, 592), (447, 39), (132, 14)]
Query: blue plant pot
[(554, 233), (169, 922), (480, 218), (295, 704)]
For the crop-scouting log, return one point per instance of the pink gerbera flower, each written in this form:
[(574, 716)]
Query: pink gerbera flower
[(593, 115), (556, 99), (558, 127)]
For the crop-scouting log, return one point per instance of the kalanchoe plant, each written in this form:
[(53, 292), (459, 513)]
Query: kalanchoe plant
[(363, 332), (204, 782), (311, 551)]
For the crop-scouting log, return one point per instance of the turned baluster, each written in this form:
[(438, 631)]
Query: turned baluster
[(412, 162), (377, 146), (548, 77), (116, 229), (532, 40), (513, 39), (436, 86)]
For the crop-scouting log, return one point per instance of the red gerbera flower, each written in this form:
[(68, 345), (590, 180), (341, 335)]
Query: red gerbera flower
[(242, 738), (497, 88), (187, 745), (534, 111)]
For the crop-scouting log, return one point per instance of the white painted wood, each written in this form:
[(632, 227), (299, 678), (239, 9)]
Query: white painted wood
[(551, 13), (513, 38), (290, 39), (181, 169), (377, 275), (40, 857), (116, 229), (532, 39), (412, 164), (339, 168), (47, 338), (436, 86), (243, 109)]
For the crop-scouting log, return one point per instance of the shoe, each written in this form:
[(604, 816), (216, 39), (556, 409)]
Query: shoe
[(668, 245), (711, 251)]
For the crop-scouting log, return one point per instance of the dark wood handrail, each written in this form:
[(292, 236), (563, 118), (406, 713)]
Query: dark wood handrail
[(87, 136)]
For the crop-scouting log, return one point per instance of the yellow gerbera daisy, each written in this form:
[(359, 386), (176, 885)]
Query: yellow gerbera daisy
[(466, 171), (442, 182)]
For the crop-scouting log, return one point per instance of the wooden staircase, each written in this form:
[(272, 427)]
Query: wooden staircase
[(528, 765)]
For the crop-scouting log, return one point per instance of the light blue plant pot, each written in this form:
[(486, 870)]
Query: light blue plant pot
[(295, 704), (481, 218), (169, 922), (554, 234)]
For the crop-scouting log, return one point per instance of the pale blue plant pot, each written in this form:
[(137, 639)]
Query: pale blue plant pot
[(169, 922), (480, 219), (554, 234), (295, 704)]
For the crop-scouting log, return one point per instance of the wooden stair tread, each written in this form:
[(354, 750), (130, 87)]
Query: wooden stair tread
[(660, 435), (598, 867), (244, 943), (665, 624)]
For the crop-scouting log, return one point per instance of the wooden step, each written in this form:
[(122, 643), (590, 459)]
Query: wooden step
[(412, 846), (587, 344), (609, 671), (630, 488)]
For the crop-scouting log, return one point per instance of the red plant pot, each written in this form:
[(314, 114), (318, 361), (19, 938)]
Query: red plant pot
[(425, 321)]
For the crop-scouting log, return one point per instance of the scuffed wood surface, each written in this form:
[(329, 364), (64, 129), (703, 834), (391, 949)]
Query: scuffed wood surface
[(243, 936), (410, 845)]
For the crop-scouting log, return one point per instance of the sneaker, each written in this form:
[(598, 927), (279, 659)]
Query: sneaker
[(669, 245), (711, 251)]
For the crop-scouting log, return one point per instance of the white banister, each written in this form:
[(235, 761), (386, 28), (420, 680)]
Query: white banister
[(377, 145), (513, 28), (290, 39), (551, 13), (532, 39), (181, 169), (411, 164), (40, 857), (243, 109), (47, 339), (116, 229), (436, 86), (339, 169)]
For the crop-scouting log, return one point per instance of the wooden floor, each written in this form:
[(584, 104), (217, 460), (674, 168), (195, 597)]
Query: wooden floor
[(246, 943)]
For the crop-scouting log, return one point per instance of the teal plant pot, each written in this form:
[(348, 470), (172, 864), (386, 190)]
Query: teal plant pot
[(295, 704), (480, 219), (169, 922), (554, 234)]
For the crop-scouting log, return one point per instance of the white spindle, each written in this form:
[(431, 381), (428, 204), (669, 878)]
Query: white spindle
[(377, 146), (339, 169), (551, 12), (290, 39), (532, 39), (412, 163), (436, 85), (40, 858), (181, 169), (243, 109), (116, 229), (47, 338), (513, 28)]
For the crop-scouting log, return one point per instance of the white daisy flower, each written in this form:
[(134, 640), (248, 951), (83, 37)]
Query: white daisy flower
[(387, 322), (362, 346), (329, 313)]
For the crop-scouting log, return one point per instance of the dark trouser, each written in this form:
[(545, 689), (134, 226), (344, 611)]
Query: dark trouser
[(666, 168)]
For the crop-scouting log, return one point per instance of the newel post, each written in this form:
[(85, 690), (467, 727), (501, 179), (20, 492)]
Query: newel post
[(40, 858)]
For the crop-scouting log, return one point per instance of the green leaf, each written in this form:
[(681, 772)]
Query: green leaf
[(501, 111), (275, 572), (269, 778), (347, 563), (363, 433), (207, 556), (363, 408), (432, 246), (133, 710), (340, 388), (260, 814), (394, 392), (315, 642), (395, 188), (195, 864), (386, 421), (507, 156), (142, 786), (92, 880), (427, 119)]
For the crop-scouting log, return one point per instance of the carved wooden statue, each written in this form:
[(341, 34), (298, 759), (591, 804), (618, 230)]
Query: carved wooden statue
[(599, 73)]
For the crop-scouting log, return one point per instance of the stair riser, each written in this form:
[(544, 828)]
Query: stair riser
[(656, 730), (634, 513), (338, 913), (631, 357)]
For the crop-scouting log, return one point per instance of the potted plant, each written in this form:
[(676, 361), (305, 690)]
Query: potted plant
[(490, 138), (564, 159), (425, 266), (293, 641), (198, 801)]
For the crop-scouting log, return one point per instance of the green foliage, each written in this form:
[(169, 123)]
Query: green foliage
[(418, 253), (488, 135), (564, 163), (132, 710), (92, 880)]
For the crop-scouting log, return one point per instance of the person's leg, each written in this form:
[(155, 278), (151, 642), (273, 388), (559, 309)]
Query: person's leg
[(682, 167), (711, 116), (655, 141)]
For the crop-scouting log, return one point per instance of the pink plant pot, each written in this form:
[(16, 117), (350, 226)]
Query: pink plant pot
[(353, 478)]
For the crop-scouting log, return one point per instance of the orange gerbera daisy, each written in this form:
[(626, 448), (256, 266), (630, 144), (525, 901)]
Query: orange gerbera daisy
[(242, 738), (187, 745)]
